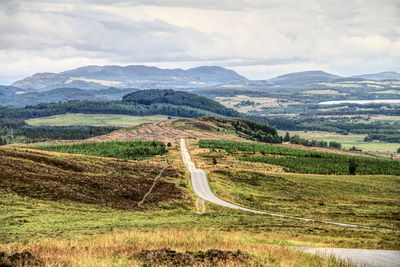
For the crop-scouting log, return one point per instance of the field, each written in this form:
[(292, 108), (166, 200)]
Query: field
[(79, 119), (323, 92), (347, 141), (238, 102), (396, 92), (384, 118)]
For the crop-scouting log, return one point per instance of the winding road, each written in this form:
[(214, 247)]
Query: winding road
[(360, 257), (202, 189)]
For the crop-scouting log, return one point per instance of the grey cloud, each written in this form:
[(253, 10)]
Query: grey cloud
[(262, 33)]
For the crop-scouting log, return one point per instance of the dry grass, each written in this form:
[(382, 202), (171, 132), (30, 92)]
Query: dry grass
[(119, 249)]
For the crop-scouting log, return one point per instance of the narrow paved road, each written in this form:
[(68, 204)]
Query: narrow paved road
[(202, 189), (359, 257)]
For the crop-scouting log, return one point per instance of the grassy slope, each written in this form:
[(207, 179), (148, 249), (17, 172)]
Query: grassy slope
[(66, 231), (80, 119), (80, 234), (363, 199)]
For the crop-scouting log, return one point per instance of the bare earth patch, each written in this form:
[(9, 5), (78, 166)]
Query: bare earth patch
[(210, 257)]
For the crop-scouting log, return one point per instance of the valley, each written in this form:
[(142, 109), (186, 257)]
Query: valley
[(63, 226)]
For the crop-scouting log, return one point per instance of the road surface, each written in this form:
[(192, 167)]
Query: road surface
[(359, 257), (202, 189)]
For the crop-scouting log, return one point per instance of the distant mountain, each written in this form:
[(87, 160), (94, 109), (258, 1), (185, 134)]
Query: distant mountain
[(299, 81), (387, 75), (60, 94), (303, 78), (134, 76), (296, 80)]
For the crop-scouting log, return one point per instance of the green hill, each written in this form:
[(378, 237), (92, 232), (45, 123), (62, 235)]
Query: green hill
[(178, 98)]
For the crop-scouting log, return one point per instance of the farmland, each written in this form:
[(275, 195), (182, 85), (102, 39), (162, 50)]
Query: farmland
[(347, 141), (79, 119)]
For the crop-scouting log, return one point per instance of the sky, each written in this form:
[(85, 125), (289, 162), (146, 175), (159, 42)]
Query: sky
[(259, 39)]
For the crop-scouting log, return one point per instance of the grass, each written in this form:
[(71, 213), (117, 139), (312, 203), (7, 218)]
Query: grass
[(341, 84), (334, 198), (347, 141), (86, 235), (361, 199), (94, 120), (66, 232)]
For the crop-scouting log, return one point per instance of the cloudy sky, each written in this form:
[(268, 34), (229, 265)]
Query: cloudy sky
[(258, 38)]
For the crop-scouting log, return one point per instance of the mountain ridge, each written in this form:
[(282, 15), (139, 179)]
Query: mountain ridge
[(95, 77)]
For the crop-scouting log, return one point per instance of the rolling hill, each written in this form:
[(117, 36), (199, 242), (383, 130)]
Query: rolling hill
[(133, 76), (387, 75)]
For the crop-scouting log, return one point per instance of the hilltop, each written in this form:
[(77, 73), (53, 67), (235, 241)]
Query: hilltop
[(133, 76), (317, 79)]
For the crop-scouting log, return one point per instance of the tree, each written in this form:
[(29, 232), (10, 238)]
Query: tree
[(334, 144), (352, 166), (287, 137)]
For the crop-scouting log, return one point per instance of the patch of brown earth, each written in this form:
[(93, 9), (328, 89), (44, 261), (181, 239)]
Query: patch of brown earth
[(200, 125), (210, 257), (90, 180), (22, 259)]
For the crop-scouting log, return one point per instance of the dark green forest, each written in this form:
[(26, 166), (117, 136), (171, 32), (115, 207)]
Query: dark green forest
[(306, 161), (123, 150)]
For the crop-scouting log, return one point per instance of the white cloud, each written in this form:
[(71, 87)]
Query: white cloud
[(258, 38)]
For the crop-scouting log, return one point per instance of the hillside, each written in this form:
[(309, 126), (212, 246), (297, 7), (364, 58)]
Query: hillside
[(133, 76), (150, 97), (76, 209), (58, 177), (303, 78), (387, 75), (306, 80), (63, 95)]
